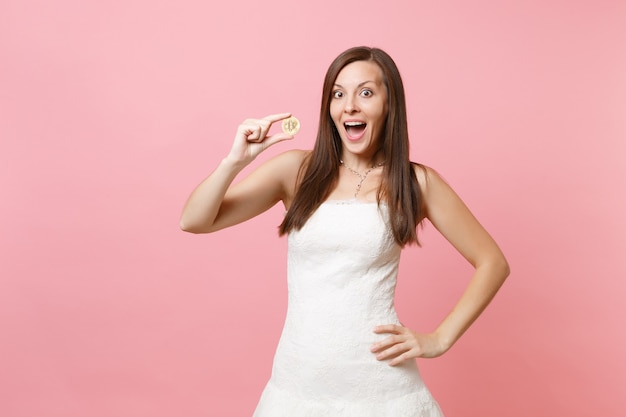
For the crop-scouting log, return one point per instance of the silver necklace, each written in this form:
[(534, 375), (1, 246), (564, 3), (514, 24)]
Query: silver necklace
[(362, 177)]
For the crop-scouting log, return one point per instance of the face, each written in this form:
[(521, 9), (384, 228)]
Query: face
[(358, 107)]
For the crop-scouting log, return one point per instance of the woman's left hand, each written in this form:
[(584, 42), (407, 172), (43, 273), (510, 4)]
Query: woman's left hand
[(403, 343)]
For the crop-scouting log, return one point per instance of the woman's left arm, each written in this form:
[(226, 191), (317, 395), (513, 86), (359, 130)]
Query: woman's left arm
[(451, 217)]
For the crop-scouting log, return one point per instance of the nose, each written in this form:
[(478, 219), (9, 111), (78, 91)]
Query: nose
[(351, 106)]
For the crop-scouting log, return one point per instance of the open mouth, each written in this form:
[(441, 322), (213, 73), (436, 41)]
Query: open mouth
[(355, 129)]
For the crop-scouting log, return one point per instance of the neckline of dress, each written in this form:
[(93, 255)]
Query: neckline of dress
[(351, 201)]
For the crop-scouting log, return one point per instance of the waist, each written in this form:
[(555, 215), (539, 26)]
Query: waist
[(351, 377), (345, 332)]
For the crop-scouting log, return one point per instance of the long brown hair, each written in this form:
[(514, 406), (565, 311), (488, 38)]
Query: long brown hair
[(399, 187)]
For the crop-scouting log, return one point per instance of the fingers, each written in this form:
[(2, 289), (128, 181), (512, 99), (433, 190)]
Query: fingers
[(256, 130), (398, 347), (273, 118), (278, 137), (397, 336), (397, 353), (253, 137), (401, 358), (389, 328), (388, 346)]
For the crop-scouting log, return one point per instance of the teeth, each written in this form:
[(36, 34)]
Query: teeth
[(354, 123)]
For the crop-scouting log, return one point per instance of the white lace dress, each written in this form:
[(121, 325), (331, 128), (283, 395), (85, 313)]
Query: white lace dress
[(342, 268)]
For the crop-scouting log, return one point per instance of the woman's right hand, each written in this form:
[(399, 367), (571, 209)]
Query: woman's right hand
[(252, 138)]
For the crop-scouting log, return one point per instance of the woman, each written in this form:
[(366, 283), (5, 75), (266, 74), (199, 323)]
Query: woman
[(352, 203)]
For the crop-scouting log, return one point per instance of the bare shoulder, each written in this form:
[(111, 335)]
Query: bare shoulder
[(453, 219), (286, 168), (292, 159), (437, 195), (286, 165), (427, 177)]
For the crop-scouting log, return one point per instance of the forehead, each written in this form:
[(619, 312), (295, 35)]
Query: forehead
[(358, 72)]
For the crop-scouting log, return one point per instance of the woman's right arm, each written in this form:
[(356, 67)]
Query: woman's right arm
[(216, 203)]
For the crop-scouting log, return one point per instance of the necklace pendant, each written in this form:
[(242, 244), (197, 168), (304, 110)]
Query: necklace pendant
[(361, 177)]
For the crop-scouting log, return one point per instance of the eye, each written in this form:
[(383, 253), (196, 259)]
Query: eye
[(367, 92), (337, 94)]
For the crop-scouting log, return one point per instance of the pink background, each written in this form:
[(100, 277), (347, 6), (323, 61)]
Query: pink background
[(111, 112)]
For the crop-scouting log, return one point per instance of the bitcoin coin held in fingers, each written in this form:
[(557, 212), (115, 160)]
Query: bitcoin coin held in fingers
[(291, 125)]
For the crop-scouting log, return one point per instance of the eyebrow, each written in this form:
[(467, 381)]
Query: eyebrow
[(360, 84)]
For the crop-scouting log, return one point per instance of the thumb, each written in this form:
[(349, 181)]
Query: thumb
[(278, 137)]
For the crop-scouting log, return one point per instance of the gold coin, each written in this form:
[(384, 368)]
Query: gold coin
[(291, 125)]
